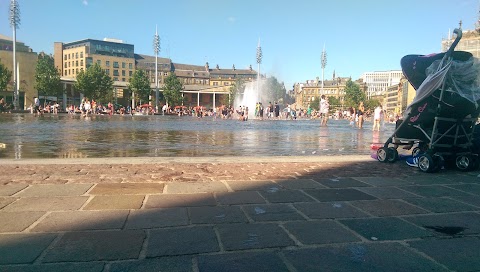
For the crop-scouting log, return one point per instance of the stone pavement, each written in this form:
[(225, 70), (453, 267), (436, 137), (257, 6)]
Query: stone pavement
[(347, 213)]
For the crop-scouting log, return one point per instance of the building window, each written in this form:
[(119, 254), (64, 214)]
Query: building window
[(115, 64), (65, 65), (65, 57), (99, 62), (81, 55), (107, 71), (76, 55), (123, 65), (123, 79), (115, 79), (81, 62), (215, 83), (130, 73), (115, 73), (68, 64), (68, 56), (76, 63), (226, 83), (76, 71), (107, 63), (65, 73), (130, 66), (165, 74), (123, 72)]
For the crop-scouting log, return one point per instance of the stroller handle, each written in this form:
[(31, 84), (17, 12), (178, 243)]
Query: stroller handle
[(454, 44)]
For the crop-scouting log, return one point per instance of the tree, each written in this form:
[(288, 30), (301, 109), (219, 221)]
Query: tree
[(140, 84), (235, 89), (47, 77), (95, 83), (315, 104), (172, 90), (5, 77), (274, 90), (334, 102), (353, 94)]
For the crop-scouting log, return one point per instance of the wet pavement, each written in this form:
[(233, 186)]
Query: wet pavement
[(332, 213)]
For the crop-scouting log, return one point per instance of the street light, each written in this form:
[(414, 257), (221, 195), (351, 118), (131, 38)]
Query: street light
[(14, 23), (156, 49)]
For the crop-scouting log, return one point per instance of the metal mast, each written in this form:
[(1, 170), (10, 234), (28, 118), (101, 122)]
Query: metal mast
[(259, 61), (14, 23), (324, 63), (156, 49)]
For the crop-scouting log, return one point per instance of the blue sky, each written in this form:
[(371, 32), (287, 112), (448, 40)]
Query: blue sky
[(359, 36)]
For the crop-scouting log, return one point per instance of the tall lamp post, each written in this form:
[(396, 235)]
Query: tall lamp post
[(156, 49), (324, 63), (259, 61), (14, 23)]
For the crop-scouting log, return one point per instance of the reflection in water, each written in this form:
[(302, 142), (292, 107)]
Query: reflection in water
[(68, 136)]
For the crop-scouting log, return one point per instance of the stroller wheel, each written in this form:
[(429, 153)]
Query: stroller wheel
[(382, 154), (392, 154), (465, 162), (426, 163), (416, 151)]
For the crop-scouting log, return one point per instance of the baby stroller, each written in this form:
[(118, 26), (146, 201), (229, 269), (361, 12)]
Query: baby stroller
[(441, 118)]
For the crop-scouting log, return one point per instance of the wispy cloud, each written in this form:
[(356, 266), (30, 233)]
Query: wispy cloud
[(231, 19), (85, 2)]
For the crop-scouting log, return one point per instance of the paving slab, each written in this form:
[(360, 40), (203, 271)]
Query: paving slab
[(4, 201), (240, 197), (91, 267), (180, 200), (250, 236), (252, 185), (428, 179), (387, 228), (17, 221), (471, 200), (243, 261), (441, 204), (217, 215), (23, 248), (342, 183), (127, 189), (286, 196), (327, 195), (449, 224), (195, 187), (383, 181), (361, 257), (387, 192), (272, 212), (182, 241), (96, 246), (48, 190), (329, 210), (458, 254), (387, 207), (11, 189), (300, 184), (320, 232), (433, 191), (473, 189), (115, 202), (157, 218), (177, 264), (47, 204), (81, 220)]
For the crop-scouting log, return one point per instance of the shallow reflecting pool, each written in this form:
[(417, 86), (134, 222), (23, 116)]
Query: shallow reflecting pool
[(73, 136)]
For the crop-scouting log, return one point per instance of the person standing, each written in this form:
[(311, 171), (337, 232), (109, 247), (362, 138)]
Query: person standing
[(324, 109), (377, 116), (277, 110), (360, 113), (36, 103)]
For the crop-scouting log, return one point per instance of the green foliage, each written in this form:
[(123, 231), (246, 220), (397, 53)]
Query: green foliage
[(140, 84), (5, 77), (95, 84), (353, 94), (237, 88), (334, 102), (47, 77), (371, 104), (172, 90), (315, 104)]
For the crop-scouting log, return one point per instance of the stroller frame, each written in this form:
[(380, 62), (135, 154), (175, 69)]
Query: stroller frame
[(449, 137)]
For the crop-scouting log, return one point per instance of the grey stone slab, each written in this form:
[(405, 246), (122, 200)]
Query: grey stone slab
[(180, 200), (217, 215), (81, 220), (181, 241), (157, 218), (252, 185), (4, 201), (272, 212), (62, 203), (327, 195), (250, 236), (320, 232), (360, 257), (286, 196), (387, 207), (242, 261), (326, 210), (127, 189), (11, 189), (17, 221), (471, 200), (383, 181), (96, 246), (294, 184), (385, 228), (433, 191), (342, 183), (445, 224), (195, 187), (23, 248), (48, 190), (177, 264), (429, 180), (71, 267), (458, 254), (473, 189), (387, 192), (115, 202), (241, 197), (441, 204)]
